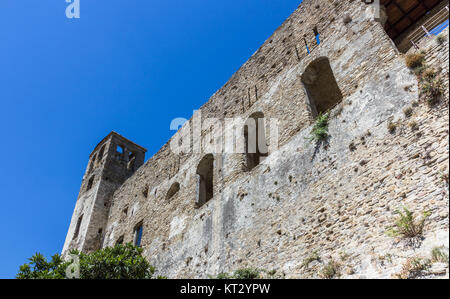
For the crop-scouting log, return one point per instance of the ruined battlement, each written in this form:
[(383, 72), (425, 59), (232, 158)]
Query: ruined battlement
[(197, 212)]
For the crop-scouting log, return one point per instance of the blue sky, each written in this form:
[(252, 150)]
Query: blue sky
[(130, 66)]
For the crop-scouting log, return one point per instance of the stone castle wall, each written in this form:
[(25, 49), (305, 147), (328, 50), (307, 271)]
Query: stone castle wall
[(336, 199)]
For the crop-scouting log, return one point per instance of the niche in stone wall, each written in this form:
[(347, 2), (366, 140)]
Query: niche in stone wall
[(321, 87), (173, 190), (131, 161), (120, 240), (90, 183), (205, 175), (77, 228), (91, 164), (256, 149)]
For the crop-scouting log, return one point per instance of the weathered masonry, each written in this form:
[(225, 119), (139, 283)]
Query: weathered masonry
[(113, 161), (201, 214)]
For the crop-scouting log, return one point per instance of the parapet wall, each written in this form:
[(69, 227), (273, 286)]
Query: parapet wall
[(335, 198)]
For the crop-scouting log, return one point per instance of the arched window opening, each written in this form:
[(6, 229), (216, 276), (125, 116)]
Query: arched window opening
[(205, 175), (119, 149), (321, 87), (101, 152), (256, 149), (173, 190), (120, 152)]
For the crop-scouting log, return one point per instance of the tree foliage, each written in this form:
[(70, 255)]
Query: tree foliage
[(119, 262), (40, 268), (244, 273)]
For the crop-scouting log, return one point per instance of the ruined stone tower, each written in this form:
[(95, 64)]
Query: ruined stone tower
[(199, 213), (113, 160)]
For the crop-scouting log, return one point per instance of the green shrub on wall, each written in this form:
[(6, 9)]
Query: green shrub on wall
[(320, 130), (406, 225)]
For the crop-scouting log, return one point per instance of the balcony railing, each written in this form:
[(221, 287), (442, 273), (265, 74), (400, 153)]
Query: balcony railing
[(431, 27)]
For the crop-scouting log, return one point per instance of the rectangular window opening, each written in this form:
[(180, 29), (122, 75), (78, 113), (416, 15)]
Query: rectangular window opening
[(77, 228), (317, 35), (307, 48), (138, 235)]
